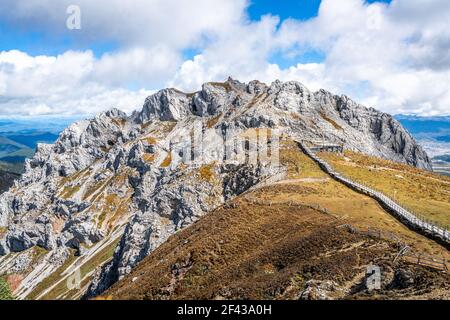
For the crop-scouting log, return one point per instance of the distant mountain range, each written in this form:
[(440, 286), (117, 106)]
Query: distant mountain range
[(19, 138), (433, 133)]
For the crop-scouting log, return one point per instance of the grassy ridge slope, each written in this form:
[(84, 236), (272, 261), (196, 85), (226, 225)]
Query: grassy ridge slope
[(422, 192), (276, 241)]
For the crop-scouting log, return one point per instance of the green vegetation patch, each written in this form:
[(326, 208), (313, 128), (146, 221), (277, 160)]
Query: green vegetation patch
[(52, 279), (5, 291), (97, 260), (70, 191)]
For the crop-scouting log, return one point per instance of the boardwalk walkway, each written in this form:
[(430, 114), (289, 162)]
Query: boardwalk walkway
[(404, 215)]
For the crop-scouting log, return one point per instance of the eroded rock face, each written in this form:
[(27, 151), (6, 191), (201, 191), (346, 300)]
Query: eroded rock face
[(116, 171), (322, 290)]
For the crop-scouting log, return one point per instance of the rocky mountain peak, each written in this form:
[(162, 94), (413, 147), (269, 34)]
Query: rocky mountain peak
[(256, 104), (114, 177)]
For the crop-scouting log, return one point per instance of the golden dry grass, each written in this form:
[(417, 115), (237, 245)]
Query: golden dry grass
[(207, 172), (260, 250), (148, 157), (50, 280), (297, 163), (350, 206), (262, 246), (3, 230), (267, 243), (224, 85), (167, 161), (97, 260), (213, 121), (144, 126), (150, 140), (242, 249), (119, 122), (69, 191), (422, 192), (331, 121)]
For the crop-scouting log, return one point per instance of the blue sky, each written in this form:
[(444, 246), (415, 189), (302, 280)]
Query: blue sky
[(393, 56), (35, 42), (40, 43), (291, 9), (285, 9)]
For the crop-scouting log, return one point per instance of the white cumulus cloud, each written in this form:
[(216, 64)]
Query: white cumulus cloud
[(394, 57), (65, 84)]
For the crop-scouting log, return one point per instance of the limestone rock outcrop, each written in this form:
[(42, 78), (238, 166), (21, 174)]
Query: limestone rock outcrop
[(134, 177)]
